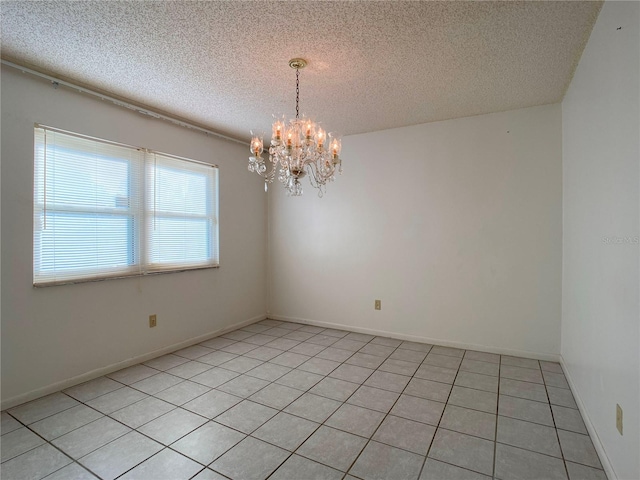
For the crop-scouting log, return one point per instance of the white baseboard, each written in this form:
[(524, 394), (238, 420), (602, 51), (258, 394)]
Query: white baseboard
[(551, 357), (85, 377), (593, 433)]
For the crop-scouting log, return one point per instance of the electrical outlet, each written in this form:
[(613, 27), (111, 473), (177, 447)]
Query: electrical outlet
[(152, 321), (378, 305), (619, 418)]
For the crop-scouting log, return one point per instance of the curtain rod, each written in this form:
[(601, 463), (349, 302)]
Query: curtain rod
[(56, 81)]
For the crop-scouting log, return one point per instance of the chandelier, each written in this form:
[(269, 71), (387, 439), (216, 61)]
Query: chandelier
[(297, 149)]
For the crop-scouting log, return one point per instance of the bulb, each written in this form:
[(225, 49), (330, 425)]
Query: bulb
[(335, 145), (277, 130), (256, 144)]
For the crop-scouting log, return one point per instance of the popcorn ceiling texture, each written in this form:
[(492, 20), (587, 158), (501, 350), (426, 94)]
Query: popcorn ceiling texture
[(371, 65)]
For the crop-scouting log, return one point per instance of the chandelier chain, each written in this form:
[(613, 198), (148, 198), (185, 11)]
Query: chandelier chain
[(297, 93)]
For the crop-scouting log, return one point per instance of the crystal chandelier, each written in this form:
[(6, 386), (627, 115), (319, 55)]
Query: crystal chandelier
[(298, 148)]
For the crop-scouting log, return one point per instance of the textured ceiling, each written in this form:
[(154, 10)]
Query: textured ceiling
[(372, 65)]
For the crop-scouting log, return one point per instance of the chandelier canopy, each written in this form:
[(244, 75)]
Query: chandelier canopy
[(297, 148)]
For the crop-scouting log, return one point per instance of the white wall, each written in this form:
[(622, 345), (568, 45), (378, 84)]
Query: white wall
[(52, 334), (600, 308), (455, 226)]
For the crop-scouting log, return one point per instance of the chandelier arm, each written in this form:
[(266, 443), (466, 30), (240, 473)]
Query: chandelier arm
[(324, 173), (311, 172), (270, 174), (313, 176), (313, 180)]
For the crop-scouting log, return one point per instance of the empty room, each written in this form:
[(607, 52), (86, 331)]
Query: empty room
[(304, 240)]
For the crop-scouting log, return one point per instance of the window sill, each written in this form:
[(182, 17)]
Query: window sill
[(117, 277)]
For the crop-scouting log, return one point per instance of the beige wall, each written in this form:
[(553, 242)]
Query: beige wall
[(53, 334), (601, 190), (455, 226)]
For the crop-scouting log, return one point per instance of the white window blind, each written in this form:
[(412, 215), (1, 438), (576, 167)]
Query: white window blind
[(107, 210), (182, 214)]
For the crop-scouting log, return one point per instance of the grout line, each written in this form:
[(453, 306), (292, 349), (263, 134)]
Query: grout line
[(47, 442), (369, 439), (553, 418), (495, 438), (358, 385), (439, 421)]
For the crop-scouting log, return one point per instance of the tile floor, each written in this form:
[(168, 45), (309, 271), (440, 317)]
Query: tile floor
[(287, 401)]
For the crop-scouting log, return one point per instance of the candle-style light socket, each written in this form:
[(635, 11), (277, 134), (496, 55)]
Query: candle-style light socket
[(257, 145)]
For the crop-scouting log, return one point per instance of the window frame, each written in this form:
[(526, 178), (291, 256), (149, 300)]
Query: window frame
[(139, 217)]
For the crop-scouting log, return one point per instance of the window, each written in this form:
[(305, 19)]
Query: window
[(104, 210)]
